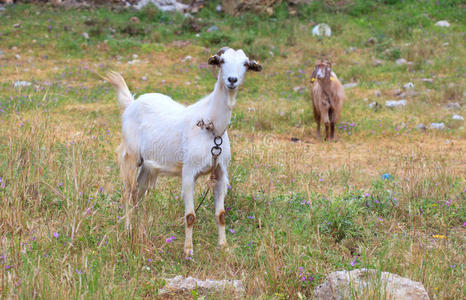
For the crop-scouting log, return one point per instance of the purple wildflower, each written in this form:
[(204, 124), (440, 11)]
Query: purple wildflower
[(354, 261), (251, 217), (231, 230), (79, 271), (55, 235)]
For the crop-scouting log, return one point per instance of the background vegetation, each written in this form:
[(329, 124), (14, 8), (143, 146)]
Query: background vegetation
[(296, 210)]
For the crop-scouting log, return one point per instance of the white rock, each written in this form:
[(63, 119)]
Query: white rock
[(163, 5), (421, 126), (457, 117), (17, 56), (401, 61), (377, 62), (378, 93), (182, 285), (429, 80), (187, 58), (453, 105), (321, 30), (144, 78), (135, 56), (395, 103), (442, 23), (22, 83), (439, 126), (409, 85), (360, 283), (218, 8), (86, 35), (350, 85), (134, 61)]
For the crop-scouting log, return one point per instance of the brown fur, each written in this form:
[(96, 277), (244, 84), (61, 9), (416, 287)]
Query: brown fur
[(327, 99), (221, 218), (190, 218)]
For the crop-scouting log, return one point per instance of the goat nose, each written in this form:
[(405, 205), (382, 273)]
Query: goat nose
[(232, 79)]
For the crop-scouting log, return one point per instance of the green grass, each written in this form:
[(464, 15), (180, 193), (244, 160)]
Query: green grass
[(295, 209)]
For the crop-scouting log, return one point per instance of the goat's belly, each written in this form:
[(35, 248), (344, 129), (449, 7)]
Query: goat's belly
[(164, 169)]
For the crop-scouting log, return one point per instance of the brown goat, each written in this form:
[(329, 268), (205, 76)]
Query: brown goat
[(327, 98)]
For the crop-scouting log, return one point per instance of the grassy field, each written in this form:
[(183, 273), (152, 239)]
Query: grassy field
[(296, 210)]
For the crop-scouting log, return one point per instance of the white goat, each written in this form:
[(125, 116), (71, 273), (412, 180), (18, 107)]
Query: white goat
[(163, 137)]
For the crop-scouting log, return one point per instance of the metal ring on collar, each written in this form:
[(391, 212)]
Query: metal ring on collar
[(218, 143), (216, 151)]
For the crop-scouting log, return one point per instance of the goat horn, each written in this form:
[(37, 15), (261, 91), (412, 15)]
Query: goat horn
[(222, 50)]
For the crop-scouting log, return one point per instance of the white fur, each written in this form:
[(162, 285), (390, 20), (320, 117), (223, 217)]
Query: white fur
[(164, 136)]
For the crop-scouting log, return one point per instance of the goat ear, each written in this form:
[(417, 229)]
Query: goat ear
[(214, 60), (253, 65)]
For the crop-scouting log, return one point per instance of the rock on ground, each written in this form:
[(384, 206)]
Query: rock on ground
[(180, 285), (439, 126), (369, 283), (350, 85), (22, 83), (322, 30), (395, 103), (453, 105), (442, 23), (457, 117), (164, 5)]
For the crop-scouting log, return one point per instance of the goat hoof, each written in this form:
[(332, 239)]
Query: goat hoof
[(188, 252), (222, 244)]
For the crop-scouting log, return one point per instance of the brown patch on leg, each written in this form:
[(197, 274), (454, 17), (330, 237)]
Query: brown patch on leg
[(221, 218), (190, 218)]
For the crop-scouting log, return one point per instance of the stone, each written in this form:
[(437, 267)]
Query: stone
[(438, 126), (180, 285), (408, 86), (218, 8), (401, 61), (86, 35), (350, 85), (378, 93), (187, 58), (395, 103), (144, 78), (377, 62), (17, 56), (453, 105), (163, 5), (421, 126), (22, 83), (442, 23), (457, 117), (321, 30), (212, 28), (362, 283), (428, 80)]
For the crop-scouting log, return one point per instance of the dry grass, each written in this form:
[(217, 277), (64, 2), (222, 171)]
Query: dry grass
[(306, 204)]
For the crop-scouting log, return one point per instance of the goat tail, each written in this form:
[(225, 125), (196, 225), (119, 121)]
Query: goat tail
[(123, 94)]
